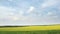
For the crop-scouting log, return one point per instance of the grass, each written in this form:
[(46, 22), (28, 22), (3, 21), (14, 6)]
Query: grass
[(31, 32), (52, 29)]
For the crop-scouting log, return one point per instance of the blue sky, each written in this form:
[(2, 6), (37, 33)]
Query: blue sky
[(29, 12)]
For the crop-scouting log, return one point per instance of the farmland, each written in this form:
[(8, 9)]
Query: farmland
[(53, 29)]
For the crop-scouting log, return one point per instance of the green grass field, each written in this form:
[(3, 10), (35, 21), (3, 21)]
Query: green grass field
[(31, 32), (53, 29)]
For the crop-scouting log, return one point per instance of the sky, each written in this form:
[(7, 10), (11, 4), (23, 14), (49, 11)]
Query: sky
[(29, 12)]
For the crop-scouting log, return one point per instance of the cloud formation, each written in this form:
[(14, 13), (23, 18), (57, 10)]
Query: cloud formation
[(48, 3), (30, 12)]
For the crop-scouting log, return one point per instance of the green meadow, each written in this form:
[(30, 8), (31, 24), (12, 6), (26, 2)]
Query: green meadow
[(31, 32), (52, 29)]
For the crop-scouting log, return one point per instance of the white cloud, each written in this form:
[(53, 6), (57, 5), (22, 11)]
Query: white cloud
[(49, 13), (15, 18), (6, 11), (31, 9), (11, 14), (21, 12), (48, 3)]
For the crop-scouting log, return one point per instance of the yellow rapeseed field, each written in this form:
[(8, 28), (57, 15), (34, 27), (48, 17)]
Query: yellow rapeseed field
[(31, 28)]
